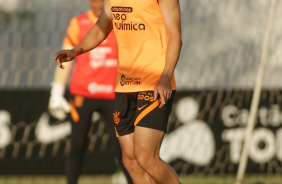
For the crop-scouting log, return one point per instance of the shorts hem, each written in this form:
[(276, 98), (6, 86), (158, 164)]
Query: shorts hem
[(124, 133), (152, 128)]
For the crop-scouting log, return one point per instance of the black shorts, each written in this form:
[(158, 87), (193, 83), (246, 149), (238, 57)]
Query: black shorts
[(140, 109)]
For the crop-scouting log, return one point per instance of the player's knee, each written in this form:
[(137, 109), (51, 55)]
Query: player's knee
[(128, 160), (144, 160)]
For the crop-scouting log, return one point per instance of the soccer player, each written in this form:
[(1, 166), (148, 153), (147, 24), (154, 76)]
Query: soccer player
[(91, 87), (148, 35)]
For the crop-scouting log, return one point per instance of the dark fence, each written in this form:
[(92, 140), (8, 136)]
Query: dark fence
[(206, 131)]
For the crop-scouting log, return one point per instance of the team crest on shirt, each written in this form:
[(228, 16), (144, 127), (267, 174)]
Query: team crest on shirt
[(116, 118), (130, 80)]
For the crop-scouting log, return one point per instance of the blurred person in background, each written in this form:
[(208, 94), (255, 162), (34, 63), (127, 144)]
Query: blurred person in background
[(91, 87)]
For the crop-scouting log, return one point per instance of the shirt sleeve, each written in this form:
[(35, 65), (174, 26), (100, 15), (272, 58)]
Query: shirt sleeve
[(72, 35)]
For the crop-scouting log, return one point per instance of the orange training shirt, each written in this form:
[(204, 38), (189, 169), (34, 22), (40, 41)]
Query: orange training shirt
[(142, 43)]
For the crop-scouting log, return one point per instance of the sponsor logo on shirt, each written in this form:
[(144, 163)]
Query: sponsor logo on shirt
[(130, 80), (121, 22), (121, 9), (106, 63), (86, 21), (100, 88), (98, 58)]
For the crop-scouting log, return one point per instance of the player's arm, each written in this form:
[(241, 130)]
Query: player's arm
[(171, 16), (61, 76), (93, 38)]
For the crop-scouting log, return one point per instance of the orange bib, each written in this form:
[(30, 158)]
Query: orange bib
[(94, 72)]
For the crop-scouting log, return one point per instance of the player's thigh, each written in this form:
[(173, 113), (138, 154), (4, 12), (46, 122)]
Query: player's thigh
[(124, 113), (148, 113), (127, 146), (147, 142)]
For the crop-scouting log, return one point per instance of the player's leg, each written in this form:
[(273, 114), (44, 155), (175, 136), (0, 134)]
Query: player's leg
[(147, 143), (150, 127), (138, 175), (106, 111), (124, 114), (80, 121)]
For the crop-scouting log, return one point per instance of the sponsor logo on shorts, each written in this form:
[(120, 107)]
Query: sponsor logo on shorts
[(116, 118), (130, 80), (140, 108), (145, 96)]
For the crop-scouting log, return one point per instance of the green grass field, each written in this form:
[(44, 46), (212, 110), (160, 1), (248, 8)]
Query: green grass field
[(107, 179)]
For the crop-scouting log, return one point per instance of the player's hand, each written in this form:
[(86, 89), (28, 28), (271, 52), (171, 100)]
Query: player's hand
[(65, 56), (163, 88), (58, 106)]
